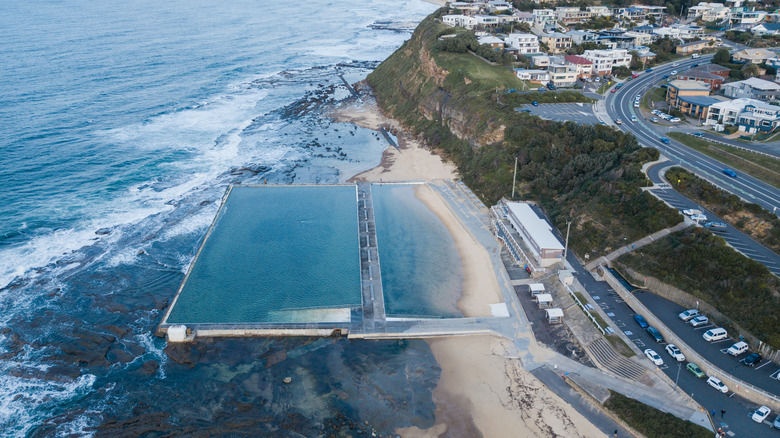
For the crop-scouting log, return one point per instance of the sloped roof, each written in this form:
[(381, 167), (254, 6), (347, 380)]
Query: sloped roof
[(689, 85), (574, 59)]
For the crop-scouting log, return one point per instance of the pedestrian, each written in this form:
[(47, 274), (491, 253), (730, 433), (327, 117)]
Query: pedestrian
[(722, 413), (615, 434), (713, 412)]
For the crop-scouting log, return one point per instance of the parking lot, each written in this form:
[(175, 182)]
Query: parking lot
[(562, 112)]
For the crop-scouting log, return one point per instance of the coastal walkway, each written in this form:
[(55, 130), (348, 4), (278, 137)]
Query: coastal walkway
[(370, 275), (441, 327), (603, 260)]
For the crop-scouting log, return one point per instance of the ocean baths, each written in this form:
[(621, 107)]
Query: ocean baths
[(305, 260)]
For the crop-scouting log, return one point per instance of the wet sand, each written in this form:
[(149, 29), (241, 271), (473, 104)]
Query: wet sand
[(482, 392)]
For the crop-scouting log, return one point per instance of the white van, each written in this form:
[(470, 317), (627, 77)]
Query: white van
[(695, 55), (738, 348), (715, 334)]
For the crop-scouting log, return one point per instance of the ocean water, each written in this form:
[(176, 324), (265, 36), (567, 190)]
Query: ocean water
[(421, 269), (122, 124)]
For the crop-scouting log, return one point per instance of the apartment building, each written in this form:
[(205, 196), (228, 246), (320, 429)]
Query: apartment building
[(605, 60), (525, 43), (557, 42)]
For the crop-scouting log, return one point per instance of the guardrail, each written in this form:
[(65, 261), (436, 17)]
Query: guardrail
[(584, 309), (746, 390), (733, 146)]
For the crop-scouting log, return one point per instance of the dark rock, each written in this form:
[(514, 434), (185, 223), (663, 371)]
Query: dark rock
[(150, 367), (183, 354), (138, 425), (103, 231)]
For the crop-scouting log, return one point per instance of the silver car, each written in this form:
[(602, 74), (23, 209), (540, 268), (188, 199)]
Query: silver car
[(688, 314), (699, 321)]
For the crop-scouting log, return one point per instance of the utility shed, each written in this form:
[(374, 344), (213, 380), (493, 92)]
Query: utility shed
[(536, 232), (544, 300), (554, 315)]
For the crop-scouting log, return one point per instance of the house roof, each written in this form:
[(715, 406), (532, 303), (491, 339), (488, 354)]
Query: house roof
[(769, 26), (554, 313), (699, 100), (758, 84), (490, 40), (711, 68), (689, 85), (700, 74), (693, 43), (756, 53), (574, 59)]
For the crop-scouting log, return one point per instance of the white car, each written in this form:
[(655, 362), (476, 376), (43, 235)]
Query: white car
[(654, 357), (699, 218), (674, 72), (638, 96), (699, 321), (675, 352), (633, 118), (691, 212), (690, 313), (717, 384), (761, 413)]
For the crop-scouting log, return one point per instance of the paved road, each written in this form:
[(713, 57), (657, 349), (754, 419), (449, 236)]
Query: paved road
[(620, 106), (564, 112), (770, 148), (734, 237)]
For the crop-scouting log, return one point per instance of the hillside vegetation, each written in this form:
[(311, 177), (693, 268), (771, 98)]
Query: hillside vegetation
[(588, 174), (701, 264)]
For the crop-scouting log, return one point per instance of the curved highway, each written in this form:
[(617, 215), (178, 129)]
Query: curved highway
[(620, 105)]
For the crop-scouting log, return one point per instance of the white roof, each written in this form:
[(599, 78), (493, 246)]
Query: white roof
[(537, 287), (760, 84), (538, 228), (544, 298), (555, 312), (490, 40)]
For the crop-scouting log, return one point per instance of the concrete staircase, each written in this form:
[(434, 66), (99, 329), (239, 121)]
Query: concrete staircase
[(603, 353)]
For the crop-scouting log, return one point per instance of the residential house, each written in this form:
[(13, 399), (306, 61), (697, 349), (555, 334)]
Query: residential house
[(629, 14), (599, 11), (679, 89), (639, 38), (467, 8), (582, 66), (544, 17), (693, 47), (498, 6), (644, 29), (557, 42), (766, 29), (467, 21), (536, 76), (524, 17), (680, 32), (571, 15), (710, 74), (493, 42), (695, 106), (643, 53), (709, 12), (756, 56), (615, 39), (541, 61), (562, 75), (746, 16), (656, 12), (605, 60), (753, 88), (749, 115), (526, 43), (582, 36), (773, 17)]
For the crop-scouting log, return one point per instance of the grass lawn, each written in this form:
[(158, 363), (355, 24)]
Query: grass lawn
[(762, 167), (604, 87), (654, 95), (650, 421), (489, 77)]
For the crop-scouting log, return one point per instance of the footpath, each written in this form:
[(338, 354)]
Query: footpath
[(604, 260)]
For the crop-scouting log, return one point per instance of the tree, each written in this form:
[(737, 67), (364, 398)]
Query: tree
[(722, 57), (750, 70)]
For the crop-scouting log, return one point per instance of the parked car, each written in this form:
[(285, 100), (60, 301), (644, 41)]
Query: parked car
[(776, 424), (641, 321), (691, 211), (715, 334), (634, 75), (541, 89), (730, 173), (654, 357), (716, 225), (717, 384), (614, 90), (752, 359), (699, 218), (675, 352), (596, 80), (738, 348), (694, 369), (688, 314), (699, 321), (652, 331), (698, 134), (664, 140), (654, 119), (535, 103), (526, 110), (760, 414)]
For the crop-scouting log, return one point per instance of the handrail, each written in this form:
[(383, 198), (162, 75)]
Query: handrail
[(587, 312), (733, 146)]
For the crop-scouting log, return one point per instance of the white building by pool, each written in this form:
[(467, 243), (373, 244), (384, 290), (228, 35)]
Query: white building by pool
[(536, 232)]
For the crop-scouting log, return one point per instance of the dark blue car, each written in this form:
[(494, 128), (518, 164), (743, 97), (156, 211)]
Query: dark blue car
[(652, 331), (641, 321)]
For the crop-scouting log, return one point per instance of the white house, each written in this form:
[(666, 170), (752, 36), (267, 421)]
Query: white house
[(749, 115), (571, 15), (604, 60), (747, 17), (766, 29), (467, 21), (536, 233), (537, 76), (544, 17), (680, 32), (525, 42), (600, 11)]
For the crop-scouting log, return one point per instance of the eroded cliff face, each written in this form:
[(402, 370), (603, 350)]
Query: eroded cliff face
[(412, 74)]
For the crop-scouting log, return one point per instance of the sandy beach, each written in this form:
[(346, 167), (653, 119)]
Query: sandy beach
[(482, 392)]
